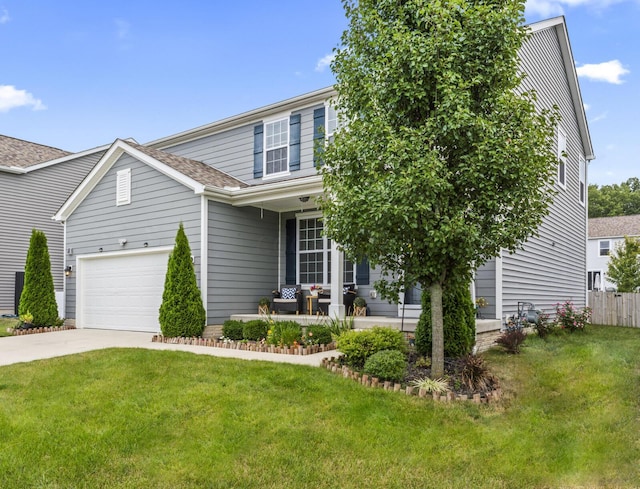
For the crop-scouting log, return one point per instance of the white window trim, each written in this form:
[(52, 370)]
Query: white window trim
[(265, 123), (562, 159), (123, 187), (601, 272), (600, 247), (582, 184), (326, 251)]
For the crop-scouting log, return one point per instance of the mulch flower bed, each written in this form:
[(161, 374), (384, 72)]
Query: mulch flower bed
[(52, 329), (246, 345)]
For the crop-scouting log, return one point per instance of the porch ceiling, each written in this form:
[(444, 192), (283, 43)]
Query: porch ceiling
[(284, 196)]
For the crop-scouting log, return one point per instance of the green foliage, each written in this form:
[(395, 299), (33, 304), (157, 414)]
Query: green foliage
[(337, 326), (317, 335), (386, 365), (181, 311), (232, 329), (571, 319), (357, 346), (38, 295), (284, 333), (459, 321), (624, 265), (360, 302), (543, 326), (439, 386), (255, 330), (446, 161), (615, 200)]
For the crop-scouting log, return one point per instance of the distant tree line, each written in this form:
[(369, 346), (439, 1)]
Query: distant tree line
[(615, 200)]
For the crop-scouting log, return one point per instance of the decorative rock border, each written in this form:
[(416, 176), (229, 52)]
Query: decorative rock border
[(364, 379), (52, 329), (248, 346)]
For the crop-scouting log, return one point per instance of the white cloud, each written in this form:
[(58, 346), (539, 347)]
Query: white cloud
[(551, 8), (4, 16), (586, 107), (609, 71), (122, 29), (599, 117), (11, 98), (324, 62)]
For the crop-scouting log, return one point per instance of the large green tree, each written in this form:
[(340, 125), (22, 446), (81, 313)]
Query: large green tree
[(624, 265), (38, 295), (181, 311), (444, 162), (615, 200)]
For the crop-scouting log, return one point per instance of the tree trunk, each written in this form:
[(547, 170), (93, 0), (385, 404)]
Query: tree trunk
[(437, 332)]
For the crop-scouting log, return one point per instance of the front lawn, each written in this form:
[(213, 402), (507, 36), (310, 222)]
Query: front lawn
[(162, 419), (7, 323)]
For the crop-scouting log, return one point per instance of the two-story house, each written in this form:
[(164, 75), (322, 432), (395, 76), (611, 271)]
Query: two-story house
[(245, 190), (605, 234)]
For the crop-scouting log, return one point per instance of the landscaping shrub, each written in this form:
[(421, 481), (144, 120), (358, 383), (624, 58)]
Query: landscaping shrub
[(475, 374), (459, 321), (317, 335), (284, 333), (38, 295), (232, 329), (386, 365), (181, 311), (338, 326), (511, 339), (571, 319), (255, 330), (357, 346), (543, 327)]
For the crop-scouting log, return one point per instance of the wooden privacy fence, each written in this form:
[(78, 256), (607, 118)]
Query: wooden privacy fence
[(615, 309)]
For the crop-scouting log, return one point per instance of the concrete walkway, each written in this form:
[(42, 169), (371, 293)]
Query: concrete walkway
[(17, 349)]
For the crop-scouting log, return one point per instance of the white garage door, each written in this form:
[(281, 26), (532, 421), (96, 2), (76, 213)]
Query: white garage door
[(121, 291)]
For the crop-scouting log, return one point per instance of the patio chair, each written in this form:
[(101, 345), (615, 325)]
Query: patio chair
[(288, 298), (349, 295)]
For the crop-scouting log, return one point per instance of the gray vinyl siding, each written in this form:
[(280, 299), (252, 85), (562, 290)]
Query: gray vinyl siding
[(158, 205), (231, 151), (28, 201), (377, 306), (243, 259), (551, 268), (485, 283)]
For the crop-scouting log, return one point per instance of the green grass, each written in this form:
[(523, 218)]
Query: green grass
[(7, 323), (162, 419)]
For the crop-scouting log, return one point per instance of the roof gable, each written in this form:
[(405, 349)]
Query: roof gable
[(193, 174)]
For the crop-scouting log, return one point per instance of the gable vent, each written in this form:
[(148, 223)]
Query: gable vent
[(123, 187)]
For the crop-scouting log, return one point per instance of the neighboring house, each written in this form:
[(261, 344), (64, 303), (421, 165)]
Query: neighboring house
[(605, 234), (35, 181), (245, 189)]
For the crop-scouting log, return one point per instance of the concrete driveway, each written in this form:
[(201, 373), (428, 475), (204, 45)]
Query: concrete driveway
[(17, 349)]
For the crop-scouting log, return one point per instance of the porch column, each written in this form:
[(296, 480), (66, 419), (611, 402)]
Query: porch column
[(336, 308)]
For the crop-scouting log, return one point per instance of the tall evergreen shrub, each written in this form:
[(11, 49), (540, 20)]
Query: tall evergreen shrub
[(38, 295), (459, 321), (181, 312)]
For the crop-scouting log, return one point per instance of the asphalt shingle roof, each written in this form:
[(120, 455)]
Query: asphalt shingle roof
[(23, 154), (617, 226), (200, 172)]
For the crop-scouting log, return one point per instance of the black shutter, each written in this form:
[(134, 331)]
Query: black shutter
[(258, 142), (294, 142), (318, 136), (362, 272), (290, 251)]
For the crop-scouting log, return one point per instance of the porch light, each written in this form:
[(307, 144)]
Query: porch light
[(67, 271)]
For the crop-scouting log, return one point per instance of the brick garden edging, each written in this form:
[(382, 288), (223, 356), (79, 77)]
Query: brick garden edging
[(52, 329), (248, 346), (364, 379)]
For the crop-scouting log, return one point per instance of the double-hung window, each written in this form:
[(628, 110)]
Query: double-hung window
[(605, 247), (562, 157), (314, 255), (276, 142)]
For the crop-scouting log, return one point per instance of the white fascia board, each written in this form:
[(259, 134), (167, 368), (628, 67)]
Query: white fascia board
[(117, 149), (278, 190), (13, 169), (560, 25), (253, 116)]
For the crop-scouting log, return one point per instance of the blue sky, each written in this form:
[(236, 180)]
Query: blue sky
[(76, 75)]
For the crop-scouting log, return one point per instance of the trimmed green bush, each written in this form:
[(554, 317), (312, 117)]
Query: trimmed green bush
[(181, 311), (285, 333), (459, 321), (38, 295), (357, 346), (255, 330), (318, 335), (232, 329), (386, 365)]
